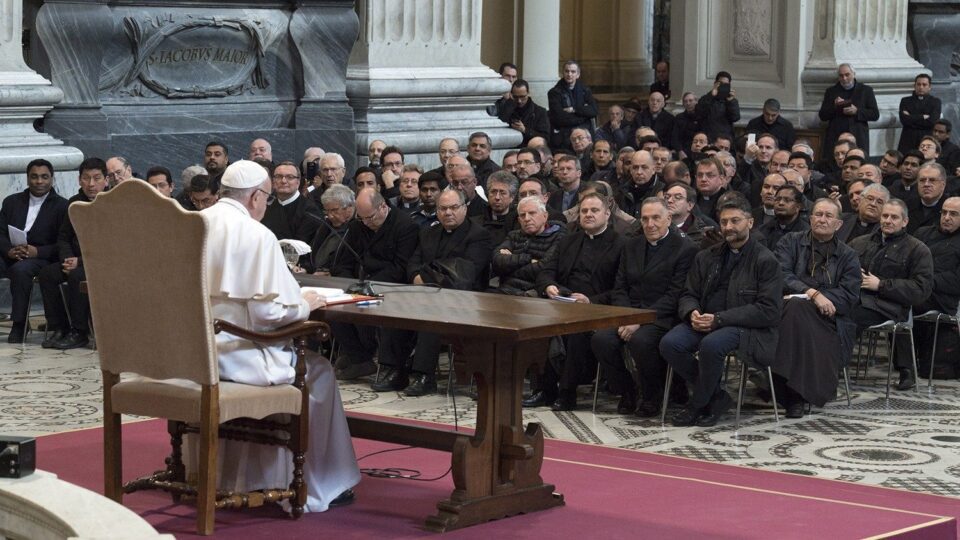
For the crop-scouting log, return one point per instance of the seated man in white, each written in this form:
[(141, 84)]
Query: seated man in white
[(250, 286)]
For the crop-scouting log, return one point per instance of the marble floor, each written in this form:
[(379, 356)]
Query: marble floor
[(911, 442)]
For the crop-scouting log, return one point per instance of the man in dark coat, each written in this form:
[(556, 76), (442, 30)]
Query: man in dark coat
[(582, 270), (454, 253), (518, 259), (571, 106), (718, 109), (918, 113), (499, 217), (925, 208), (897, 274), (523, 115), (771, 122), (289, 216), (731, 303), (653, 271), (788, 205), (848, 106), (38, 212), (385, 239), (68, 325), (658, 119)]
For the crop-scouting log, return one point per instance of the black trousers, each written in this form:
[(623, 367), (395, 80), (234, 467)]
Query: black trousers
[(50, 278), (644, 347), (21, 274), (867, 317), (358, 343), (396, 346)]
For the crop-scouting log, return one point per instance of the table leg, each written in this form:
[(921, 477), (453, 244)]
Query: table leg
[(496, 472)]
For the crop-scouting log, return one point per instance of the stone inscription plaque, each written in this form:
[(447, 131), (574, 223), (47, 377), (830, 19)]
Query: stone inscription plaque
[(195, 58)]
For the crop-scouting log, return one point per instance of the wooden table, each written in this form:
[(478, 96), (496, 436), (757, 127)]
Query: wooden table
[(496, 471)]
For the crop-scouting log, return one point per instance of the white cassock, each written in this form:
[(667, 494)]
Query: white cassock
[(251, 286)]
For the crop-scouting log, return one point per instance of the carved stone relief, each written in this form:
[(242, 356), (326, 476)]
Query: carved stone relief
[(752, 23)]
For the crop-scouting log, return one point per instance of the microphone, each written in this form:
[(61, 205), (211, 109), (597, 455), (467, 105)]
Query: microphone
[(362, 286)]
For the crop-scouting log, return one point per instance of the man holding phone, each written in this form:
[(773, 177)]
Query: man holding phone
[(718, 109), (848, 106)]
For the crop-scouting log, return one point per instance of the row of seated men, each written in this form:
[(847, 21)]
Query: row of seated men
[(687, 206)]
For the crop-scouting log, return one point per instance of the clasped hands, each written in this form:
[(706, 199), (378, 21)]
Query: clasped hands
[(19, 253), (702, 322)]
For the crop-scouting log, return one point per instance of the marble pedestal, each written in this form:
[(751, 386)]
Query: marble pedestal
[(933, 27)]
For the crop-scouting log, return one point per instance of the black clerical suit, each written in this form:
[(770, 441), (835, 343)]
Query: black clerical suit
[(650, 276), (773, 231), (293, 220), (922, 215), (945, 251), (42, 235), (476, 206), (851, 227), (498, 225), (717, 115), (662, 125), (781, 129), (470, 244), (860, 95), (536, 122), (585, 264), (76, 313), (913, 108)]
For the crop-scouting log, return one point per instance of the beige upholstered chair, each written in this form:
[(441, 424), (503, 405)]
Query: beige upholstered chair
[(144, 258)]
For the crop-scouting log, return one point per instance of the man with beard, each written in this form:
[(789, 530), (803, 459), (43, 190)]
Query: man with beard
[(918, 113), (571, 106), (528, 164), (731, 303), (657, 118), (374, 151), (523, 115), (847, 107), (216, 157), (518, 259), (788, 202)]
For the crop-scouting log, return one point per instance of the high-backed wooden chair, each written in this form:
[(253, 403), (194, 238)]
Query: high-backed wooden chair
[(144, 259)]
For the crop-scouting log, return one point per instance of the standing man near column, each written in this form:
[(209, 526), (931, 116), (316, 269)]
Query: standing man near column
[(918, 113), (848, 106), (571, 106), (718, 109), (523, 115)]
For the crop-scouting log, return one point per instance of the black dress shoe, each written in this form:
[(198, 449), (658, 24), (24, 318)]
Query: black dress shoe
[(539, 398), (72, 340), (648, 409), (628, 404), (907, 380), (687, 417), (566, 401), (720, 403), (54, 337), (17, 332), (354, 371), (795, 410), (421, 385), (393, 381), (344, 499)]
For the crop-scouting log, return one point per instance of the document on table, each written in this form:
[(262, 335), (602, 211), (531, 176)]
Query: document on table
[(17, 236)]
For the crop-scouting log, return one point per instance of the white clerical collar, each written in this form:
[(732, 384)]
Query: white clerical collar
[(658, 240), (592, 236), (296, 195), (931, 205), (768, 211), (237, 205), (34, 200)]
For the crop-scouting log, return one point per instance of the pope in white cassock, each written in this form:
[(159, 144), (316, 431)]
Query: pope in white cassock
[(251, 286)]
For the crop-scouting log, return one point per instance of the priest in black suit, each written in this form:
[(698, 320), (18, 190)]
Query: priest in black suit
[(454, 253), (39, 211), (289, 215)]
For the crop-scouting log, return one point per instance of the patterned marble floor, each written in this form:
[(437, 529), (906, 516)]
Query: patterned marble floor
[(911, 442)]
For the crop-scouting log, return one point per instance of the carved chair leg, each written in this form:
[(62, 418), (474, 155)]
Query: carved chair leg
[(207, 468), (112, 443), (175, 462)]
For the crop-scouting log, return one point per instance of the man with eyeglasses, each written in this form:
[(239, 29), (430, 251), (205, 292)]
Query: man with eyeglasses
[(918, 113), (456, 253), (289, 215), (890, 166), (448, 148), (528, 164), (943, 239), (70, 331), (680, 199), (384, 238), (463, 178), (161, 180), (788, 204), (118, 170), (897, 273), (523, 115), (867, 219), (391, 167), (925, 208), (38, 211), (499, 217), (408, 199)]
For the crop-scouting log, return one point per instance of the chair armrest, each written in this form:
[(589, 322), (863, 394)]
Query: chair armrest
[(297, 329)]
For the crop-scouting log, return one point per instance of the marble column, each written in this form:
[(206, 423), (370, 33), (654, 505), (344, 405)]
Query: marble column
[(415, 77), (871, 36), (24, 98), (634, 64), (541, 41), (933, 25)]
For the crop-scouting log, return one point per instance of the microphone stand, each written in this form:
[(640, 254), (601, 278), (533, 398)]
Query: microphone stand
[(362, 286)]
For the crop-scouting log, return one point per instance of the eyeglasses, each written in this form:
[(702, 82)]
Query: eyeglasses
[(675, 197), (451, 208), (367, 218), (286, 177), (526, 162), (330, 170), (270, 196)]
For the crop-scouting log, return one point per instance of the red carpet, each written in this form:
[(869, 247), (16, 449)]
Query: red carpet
[(610, 493)]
